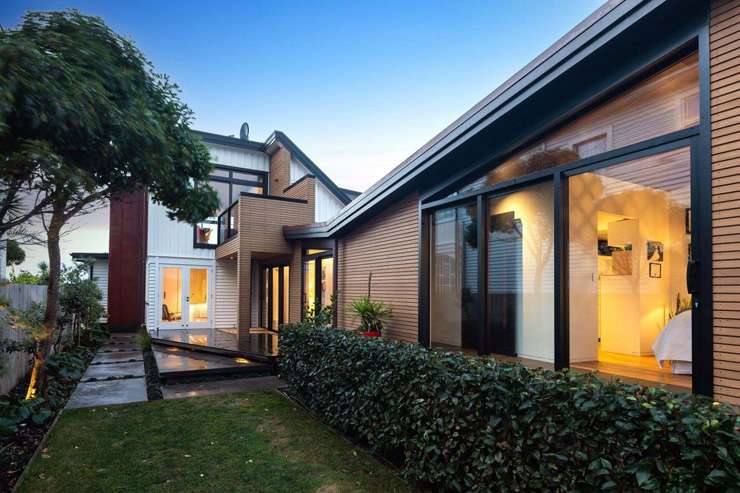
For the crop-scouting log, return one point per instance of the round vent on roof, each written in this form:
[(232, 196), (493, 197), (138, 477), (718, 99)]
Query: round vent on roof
[(244, 131)]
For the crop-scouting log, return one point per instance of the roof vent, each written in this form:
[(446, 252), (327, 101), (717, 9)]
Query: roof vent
[(244, 131)]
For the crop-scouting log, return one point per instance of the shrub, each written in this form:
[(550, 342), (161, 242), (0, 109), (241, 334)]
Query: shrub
[(458, 423), (373, 314)]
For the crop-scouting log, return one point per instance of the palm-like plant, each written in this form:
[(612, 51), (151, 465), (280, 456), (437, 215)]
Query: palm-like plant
[(373, 314)]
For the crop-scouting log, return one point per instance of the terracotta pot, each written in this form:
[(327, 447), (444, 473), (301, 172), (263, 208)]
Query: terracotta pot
[(371, 334)]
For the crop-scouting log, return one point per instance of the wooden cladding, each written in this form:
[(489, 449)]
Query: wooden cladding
[(388, 247), (724, 47)]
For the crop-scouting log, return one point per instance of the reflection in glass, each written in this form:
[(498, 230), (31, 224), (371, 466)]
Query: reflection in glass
[(309, 283), (275, 298), (286, 294), (663, 103), (520, 292), (454, 279), (327, 280)]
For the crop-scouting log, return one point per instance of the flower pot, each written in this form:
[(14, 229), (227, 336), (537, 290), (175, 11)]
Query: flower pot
[(371, 334)]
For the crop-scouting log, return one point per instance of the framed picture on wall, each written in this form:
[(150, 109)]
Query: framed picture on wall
[(654, 251), (656, 270)]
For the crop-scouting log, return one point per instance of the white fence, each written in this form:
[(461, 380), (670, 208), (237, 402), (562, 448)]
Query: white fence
[(15, 365)]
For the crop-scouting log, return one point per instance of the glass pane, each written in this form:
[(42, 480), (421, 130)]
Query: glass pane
[(223, 193), (312, 251), (629, 243), (521, 275), (454, 279), (309, 283), (198, 297), (327, 280), (220, 172), (266, 297), (286, 294), (238, 175), (245, 188), (275, 297), (171, 294), (663, 103), (205, 232)]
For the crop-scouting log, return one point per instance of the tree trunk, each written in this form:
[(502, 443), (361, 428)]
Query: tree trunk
[(37, 384)]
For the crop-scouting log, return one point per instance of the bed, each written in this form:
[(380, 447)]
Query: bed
[(674, 344)]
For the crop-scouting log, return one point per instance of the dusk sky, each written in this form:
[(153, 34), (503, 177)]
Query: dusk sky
[(359, 86)]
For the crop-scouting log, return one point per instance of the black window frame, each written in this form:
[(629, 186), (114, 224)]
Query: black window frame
[(232, 196), (319, 258), (696, 138)]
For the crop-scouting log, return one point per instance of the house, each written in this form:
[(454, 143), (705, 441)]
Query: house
[(583, 215), (180, 278)]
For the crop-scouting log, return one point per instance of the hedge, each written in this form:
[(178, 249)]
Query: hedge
[(458, 423)]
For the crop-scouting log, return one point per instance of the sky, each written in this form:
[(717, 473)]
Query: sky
[(358, 86)]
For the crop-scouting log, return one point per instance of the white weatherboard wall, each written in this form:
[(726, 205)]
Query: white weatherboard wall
[(327, 204), (226, 294), (239, 158), (100, 276)]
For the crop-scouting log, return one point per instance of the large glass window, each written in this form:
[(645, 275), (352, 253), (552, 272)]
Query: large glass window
[(318, 278), (666, 102), (454, 320), (520, 285), (629, 244), (229, 184)]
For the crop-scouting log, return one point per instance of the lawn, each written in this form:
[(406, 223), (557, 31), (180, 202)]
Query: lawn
[(252, 442)]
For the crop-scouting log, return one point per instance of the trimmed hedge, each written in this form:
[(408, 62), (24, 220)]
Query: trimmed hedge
[(458, 423)]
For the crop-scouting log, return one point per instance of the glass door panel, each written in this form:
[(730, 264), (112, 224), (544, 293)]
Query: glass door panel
[(286, 294), (521, 282), (197, 300), (171, 297), (275, 298), (327, 280), (629, 245)]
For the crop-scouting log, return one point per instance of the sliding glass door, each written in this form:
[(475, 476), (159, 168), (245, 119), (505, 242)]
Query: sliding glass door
[(275, 302)]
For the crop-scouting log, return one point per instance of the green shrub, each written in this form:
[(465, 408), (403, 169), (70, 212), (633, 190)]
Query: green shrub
[(373, 314), (456, 423)]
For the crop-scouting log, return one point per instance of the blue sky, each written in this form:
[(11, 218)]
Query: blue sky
[(359, 86)]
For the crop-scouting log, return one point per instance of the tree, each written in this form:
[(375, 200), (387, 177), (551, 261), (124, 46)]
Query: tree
[(15, 255), (84, 118)]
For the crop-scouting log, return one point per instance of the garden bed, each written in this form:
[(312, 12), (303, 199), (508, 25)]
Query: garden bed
[(32, 420)]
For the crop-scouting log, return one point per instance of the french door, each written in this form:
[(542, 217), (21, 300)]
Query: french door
[(185, 295)]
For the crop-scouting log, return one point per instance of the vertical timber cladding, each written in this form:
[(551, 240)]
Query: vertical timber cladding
[(127, 260), (388, 246), (724, 46)]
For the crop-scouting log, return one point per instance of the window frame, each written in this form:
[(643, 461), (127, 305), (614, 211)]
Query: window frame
[(232, 198)]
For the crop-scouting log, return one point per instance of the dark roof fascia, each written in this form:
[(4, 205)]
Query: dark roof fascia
[(352, 194), (225, 140), (603, 25), (296, 152), (273, 197), (85, 256)]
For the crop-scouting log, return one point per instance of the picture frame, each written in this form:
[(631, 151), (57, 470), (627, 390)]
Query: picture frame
[(656, 270)]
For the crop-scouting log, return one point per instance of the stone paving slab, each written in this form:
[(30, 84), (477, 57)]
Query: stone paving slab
[(118, 370), (108, 348), (185, 390), (94, 394), (117, 357)]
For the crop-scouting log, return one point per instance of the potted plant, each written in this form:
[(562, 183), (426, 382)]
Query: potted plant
[(373, 314)]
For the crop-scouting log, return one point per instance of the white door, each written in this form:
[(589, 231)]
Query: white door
[(185, 295)]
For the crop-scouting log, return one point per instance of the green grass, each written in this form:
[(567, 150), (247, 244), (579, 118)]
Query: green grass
[(254, 442)]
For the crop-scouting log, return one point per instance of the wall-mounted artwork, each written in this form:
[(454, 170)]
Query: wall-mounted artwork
[(654, 251), (656, 270)]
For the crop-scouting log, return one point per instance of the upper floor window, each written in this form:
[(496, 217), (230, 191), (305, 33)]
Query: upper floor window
[(229, 183), (663, 103)]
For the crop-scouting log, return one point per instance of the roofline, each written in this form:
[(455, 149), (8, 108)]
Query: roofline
[(602, 25), (295, 151), (212, 138), (89, 255)]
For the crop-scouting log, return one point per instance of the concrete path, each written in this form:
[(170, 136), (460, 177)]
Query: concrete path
[(115, 376), (185, 390)]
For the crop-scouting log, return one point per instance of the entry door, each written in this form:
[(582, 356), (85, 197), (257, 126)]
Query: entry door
[(185, 297)]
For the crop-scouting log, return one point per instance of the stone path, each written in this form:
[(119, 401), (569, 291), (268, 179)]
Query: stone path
[(115, 376), (185, 390)]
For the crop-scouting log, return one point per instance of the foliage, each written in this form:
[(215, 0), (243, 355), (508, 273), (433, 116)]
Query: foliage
[(144, 339), (373, 314), (80, 298), (458, 423), (320, 315), (25, 277), (13, 413), (14, 254)]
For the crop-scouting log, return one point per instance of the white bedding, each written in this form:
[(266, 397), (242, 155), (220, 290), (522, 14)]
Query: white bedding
[(674, 343)]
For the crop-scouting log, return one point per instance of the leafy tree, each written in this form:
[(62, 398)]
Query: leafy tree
[(14, 254), (80, 299), (83, 118), (25, 277)]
